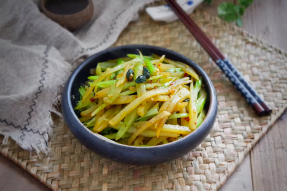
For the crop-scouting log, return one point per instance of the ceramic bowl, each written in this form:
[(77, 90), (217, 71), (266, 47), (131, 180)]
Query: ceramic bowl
[(70, 14), (131, 154)]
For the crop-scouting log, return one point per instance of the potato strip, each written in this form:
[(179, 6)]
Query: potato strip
[(181, 65), (192, 109), (123, 99), (130, 98), (139, 141), (180, 106), (159, 98), (101, 107), (184, 121), (106, 117), (148, 124), (137, 102), (179, 97), (123, 79), (86, 118), (102, 120), (164, 67), (176, 129), (107, 72), (166, 104), (143, 109), (147, 133), (155, 141), (103, 93), (88, 111)]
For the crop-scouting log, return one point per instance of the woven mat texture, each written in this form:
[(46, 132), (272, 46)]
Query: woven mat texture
[(70, 166)]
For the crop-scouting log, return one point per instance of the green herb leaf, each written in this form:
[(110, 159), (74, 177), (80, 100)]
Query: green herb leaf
[(241, 11), (227, 11), (245, 3)]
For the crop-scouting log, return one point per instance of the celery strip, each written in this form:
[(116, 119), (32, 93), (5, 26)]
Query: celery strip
[(201, 100), (178, 115)]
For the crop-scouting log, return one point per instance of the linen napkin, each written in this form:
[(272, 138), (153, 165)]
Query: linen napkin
[(37, 56)]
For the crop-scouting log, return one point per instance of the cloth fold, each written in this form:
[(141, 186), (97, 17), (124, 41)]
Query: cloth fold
[(36, 56)]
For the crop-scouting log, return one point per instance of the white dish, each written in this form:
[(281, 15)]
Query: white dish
[(164, 13)]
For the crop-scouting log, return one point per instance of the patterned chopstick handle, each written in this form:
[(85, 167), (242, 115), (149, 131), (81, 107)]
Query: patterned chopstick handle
[(242, 89), (245, 83), (241, 79)]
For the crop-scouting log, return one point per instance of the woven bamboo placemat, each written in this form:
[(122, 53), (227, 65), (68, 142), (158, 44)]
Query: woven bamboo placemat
[(70, 166)]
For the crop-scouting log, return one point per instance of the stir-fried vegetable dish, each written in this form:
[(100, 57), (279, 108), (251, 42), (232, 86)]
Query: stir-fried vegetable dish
[(142, 100)]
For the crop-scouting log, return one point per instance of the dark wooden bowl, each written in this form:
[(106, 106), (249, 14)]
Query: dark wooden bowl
[(131, 154), (70, 14)]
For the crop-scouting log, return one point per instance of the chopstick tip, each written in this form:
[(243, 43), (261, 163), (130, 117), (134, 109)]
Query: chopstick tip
[(267, 109), (258, 109)]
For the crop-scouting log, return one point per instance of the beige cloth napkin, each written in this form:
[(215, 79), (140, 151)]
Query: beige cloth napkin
[(36, 56)]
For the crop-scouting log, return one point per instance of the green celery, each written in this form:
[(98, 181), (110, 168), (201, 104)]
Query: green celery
[(155, 78), (105, 65), (178, 115), (113, 76), (138, 69), (120, 61), (128, 121), (99, 109), (138, 56), (153, 85), (150, 67), (98, 70), (93, 77), (128, 92), (120, 71), (82, 91), (197, 87), (114, 135), (106, 131), (200, 118), (114, 93), (147, 61), (80, 105), (173, 70), (146, 117), (164, 141), (168, 83), (129, 84), (105, 84), (151, 113), (201, 100), (91, 122)]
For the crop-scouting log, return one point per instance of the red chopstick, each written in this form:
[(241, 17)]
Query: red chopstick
[(224, 64)]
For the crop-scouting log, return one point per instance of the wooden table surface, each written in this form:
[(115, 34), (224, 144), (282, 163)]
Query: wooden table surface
[(265, 167)]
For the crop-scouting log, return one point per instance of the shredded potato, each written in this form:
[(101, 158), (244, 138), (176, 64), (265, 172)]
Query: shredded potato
[(142, 100)]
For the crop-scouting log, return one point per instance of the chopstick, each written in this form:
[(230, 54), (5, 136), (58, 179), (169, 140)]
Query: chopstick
[(224, 64)]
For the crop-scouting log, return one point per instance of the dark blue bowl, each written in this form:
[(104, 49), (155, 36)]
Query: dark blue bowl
[(124, 153)]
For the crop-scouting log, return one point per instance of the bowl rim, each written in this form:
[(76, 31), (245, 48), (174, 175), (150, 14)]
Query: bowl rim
[(44, 9), (212, 110)]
